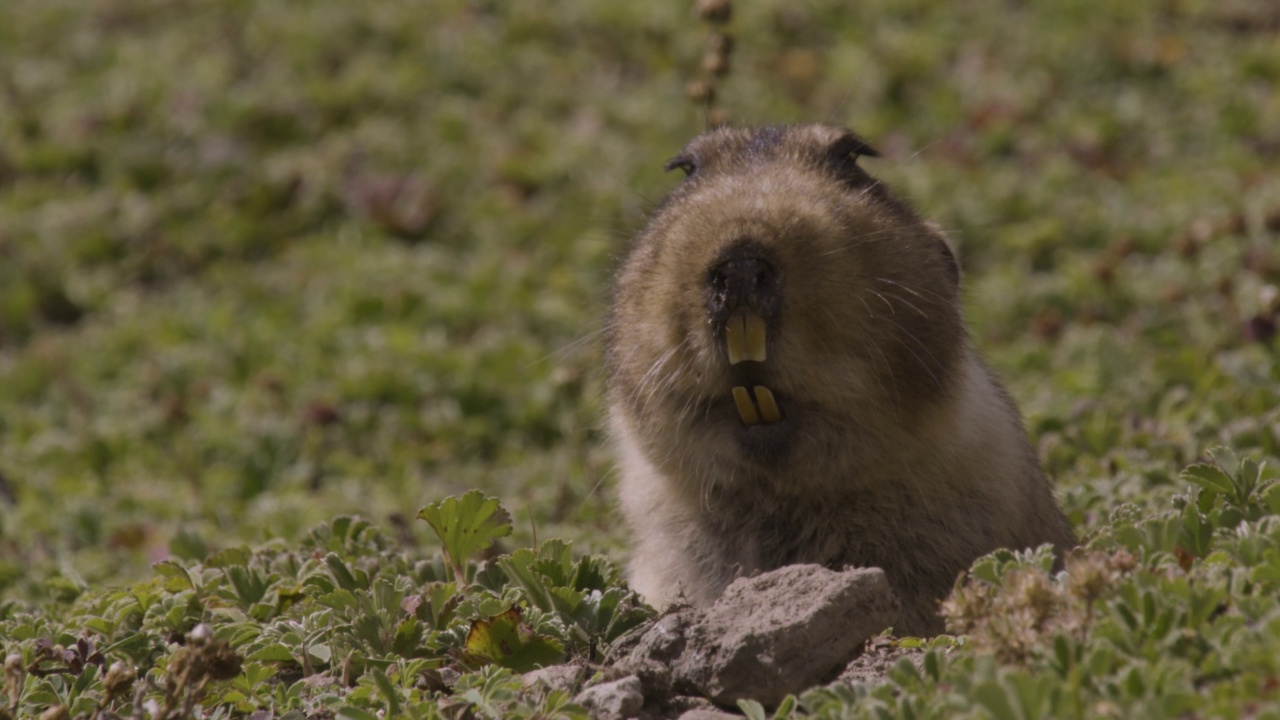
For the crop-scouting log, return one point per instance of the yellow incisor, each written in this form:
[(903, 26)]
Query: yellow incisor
[(746, 409), (768, 411), (768, 406), (744, 337)]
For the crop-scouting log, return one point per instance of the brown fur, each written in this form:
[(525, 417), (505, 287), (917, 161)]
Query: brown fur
[(898, 449)]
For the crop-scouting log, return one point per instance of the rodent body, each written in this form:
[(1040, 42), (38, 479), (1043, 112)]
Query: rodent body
[(790, 381)]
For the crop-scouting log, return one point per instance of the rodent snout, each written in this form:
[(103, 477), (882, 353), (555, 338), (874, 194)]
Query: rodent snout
[(743, 282), (744, 292)]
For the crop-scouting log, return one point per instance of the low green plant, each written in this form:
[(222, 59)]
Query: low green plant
[(465, 526), (345, 624), (1130, 627)]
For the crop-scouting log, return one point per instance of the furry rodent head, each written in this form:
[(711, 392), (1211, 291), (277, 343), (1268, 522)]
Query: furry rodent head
[(780, 300)]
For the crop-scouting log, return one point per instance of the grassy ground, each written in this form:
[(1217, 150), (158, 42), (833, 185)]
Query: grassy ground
[(265, 264)]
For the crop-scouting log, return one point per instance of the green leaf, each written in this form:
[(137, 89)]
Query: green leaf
[(752, 709), (985, 568), (1034, 695), (995, 698), (1269, 570), (408, 635), (228, 557), (388, 690), (87, 677), (1063, 661), (1209, 477), (1224, 457), (1271, 497), (250, 585), (271, 653), (931, 669), (520, 567), (1196, 533), (1247, 478), (178, 578), (368, 629), (99, 625), (346, 579), (440, 600), (466, 526), (254, 674), (505, 640), (1205, 500)]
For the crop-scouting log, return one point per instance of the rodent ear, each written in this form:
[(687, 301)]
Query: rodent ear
[(683, 161), (948, 253), (850, 147)]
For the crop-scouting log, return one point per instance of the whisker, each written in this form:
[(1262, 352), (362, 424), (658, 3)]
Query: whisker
[(892, 311), (569, 348), (904, 286), (923, 347), (917, 153), (908, 303), (894, 232)]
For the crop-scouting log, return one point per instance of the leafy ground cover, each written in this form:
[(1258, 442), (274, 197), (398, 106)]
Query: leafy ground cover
[(265, 267)]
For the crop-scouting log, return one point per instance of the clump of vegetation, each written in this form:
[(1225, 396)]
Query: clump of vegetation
[(344, 624), (1167, 614)]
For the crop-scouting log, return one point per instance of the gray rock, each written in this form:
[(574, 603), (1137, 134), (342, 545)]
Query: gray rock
[(872, 666), (770, 635), (704, 714), (681, 706), (656, 651), (615, 700), (555, 677)]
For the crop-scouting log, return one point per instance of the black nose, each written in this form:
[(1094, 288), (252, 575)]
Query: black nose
[(743, 281)]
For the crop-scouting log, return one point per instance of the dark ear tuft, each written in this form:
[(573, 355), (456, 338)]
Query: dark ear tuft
[(683, 161), (949, 260), (842, 157), (851, 147)]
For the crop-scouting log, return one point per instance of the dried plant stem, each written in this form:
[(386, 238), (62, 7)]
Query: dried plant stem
[(716, 62)]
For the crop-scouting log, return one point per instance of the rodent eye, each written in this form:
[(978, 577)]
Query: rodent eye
[(682, 162)]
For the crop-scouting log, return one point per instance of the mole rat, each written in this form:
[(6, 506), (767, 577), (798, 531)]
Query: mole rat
[(790, 381)]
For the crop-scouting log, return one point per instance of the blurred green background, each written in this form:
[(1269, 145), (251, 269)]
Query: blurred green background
[(262, 263)]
